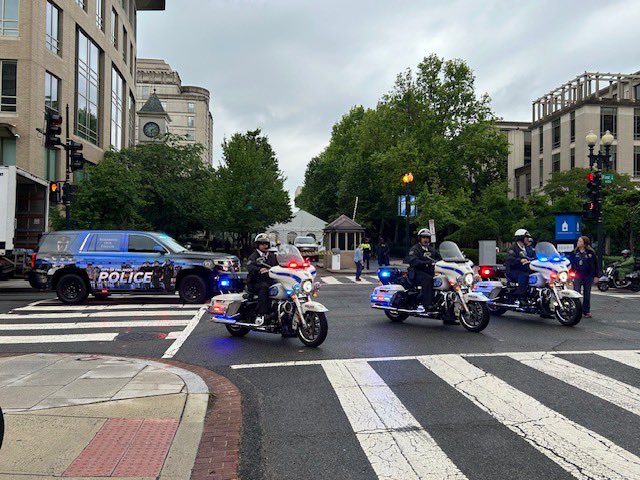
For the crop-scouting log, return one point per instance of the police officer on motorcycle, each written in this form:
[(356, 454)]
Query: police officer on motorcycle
[(518, 258), (422, 258), (258, 281)]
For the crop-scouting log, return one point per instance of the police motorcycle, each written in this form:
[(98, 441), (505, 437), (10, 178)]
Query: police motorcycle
[(295, 313), (453, 295), (549, 292)]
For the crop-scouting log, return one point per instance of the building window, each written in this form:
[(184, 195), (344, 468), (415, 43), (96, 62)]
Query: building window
[(527, 184), (540, 139), (190, 135), (555, 162), (572, 119), (117, 108), (53, 28), (125, 44), (132, 58), (527, 153), (191, 122), (608, 120), (114, 28), (82, 4), (132, 120), (7, 151), (191, 107), (636, 161), (637, 92), (50, 164), (555, 125), (100, 14), (541, 173), (87, 89), (51, 91), (9, 18), (572, 157), (145, 92), (613, 160), (9, 70), (636, 124), (517, 186)]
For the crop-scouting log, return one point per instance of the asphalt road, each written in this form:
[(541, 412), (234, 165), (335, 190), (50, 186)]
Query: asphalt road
[(402, 400)]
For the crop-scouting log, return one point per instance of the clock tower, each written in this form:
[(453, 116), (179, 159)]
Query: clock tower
[(153, 120)]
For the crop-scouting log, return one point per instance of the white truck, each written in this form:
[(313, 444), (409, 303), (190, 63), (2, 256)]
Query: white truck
[(308, 247), (24, 216)]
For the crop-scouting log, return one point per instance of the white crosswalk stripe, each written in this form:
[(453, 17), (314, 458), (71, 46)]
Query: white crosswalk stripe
[(397, 445), (50, 318), (348, 279)]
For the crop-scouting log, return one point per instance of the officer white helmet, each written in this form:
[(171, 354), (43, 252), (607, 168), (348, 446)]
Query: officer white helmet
[(424, 232), (626, 253), (262, 238), (521, 233)]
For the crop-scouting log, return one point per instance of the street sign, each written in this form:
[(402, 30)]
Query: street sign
[(402, 208), (568, 226), (608, 178)]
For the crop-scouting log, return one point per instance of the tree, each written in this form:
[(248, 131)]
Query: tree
[(251, 192)]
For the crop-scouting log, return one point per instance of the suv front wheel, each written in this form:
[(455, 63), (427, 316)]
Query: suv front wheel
[(72, 289), (193, 289)]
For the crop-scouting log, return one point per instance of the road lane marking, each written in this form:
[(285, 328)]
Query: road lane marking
[(634, 296), (362, 280), (108, 314), (580, 451), (629, 358), (175, 346), (85, 325), (613, 391), (70, 338), (395, 443), (293, 363), (329, 280), (80, 308)]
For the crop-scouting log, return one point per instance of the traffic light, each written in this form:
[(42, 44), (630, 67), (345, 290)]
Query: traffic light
[(76, 159), (590, 209), (55, 192), (593, 186), (53, 129), (68, 192)]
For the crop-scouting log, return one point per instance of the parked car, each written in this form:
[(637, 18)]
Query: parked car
[(99, 262), (308, 247)]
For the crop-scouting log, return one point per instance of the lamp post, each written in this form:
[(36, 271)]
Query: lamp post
[(596, 162), (407, 179)]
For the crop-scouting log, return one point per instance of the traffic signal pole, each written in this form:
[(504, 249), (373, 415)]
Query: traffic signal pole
[(599, 160), (67, 177)]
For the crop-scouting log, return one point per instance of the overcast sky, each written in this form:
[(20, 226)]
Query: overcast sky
[(294, 67)]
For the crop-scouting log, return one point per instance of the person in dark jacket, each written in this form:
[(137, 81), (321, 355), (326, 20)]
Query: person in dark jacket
[(422, 257), (518, 258), (584, 264), (382, 251), (258, 281)]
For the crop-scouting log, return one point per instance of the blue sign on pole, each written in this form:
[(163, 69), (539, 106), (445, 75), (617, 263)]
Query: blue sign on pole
[(568, 226), (402, 207)]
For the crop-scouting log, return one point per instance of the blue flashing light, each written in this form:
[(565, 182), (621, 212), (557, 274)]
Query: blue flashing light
[(555, 259), (385, 274), (225, 282), (289, 291), (543, 259)]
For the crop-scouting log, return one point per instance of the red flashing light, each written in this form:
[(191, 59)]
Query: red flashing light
[(485, 272), (590, 177), (306, 264), (104, 290), (292, 264), (553, 276), (33, 260), (218, 309), (572, 274)]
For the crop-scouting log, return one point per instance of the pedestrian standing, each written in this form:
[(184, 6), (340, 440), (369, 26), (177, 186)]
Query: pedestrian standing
[(382, 251), (366, 252), (583, 263), (358, 258)]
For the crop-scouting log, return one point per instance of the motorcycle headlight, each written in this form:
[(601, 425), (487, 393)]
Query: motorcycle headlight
[(468, 279), (307, 286), (563, 277)]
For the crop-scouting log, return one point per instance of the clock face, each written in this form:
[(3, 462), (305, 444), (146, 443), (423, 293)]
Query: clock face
[(151, 129)]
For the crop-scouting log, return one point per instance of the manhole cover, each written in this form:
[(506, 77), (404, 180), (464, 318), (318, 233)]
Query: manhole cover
[(141, 336)]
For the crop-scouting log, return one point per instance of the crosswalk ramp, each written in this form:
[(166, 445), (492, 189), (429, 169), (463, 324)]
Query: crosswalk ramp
[(50, 321), (509, 415)]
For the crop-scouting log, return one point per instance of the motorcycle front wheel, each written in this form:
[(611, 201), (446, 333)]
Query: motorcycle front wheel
[(569, 312), (316, 330), (478, 317), (603, 286)]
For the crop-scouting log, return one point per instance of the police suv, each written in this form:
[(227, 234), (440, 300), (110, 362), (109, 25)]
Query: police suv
[(78, 263)]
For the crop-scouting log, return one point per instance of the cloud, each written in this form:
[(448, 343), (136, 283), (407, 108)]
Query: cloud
[(294, 67)]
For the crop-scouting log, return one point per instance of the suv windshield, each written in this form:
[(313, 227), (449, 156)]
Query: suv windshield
[(305, 241), (59, 242), (171, 243)]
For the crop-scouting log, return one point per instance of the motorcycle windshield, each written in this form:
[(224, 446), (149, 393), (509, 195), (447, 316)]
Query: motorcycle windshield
[(288, 255), (450, 252), (546, 252)]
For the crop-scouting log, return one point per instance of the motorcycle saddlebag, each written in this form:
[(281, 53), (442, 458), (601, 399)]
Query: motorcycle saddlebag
[(386, 295)]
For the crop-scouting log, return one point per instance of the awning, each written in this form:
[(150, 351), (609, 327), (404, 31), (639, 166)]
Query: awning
[(8, 130)]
